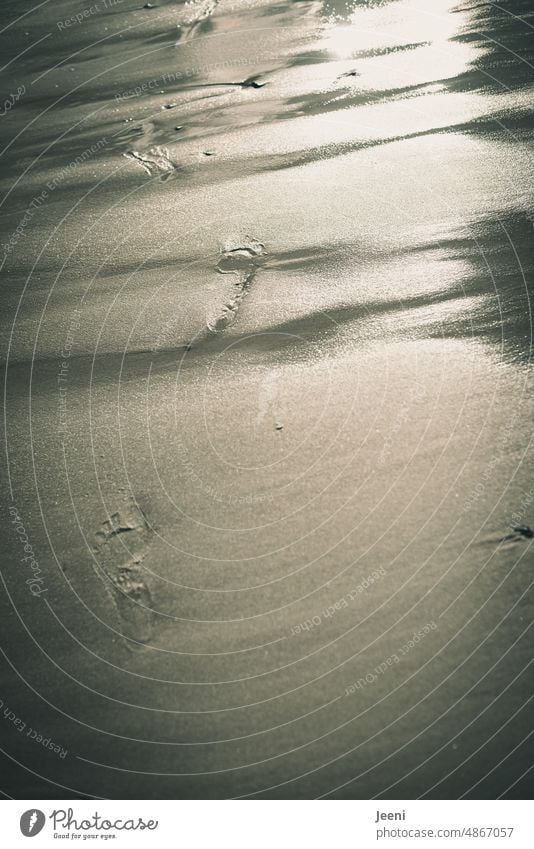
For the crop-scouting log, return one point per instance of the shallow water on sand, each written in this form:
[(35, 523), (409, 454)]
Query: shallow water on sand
[(266, 282)]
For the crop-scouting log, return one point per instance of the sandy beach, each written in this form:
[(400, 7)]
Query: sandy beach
[(266, 334)]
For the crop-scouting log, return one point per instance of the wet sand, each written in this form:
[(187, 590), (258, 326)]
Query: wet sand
[(267, 338)]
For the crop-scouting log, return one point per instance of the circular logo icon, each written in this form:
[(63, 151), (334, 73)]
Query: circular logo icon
[(31, 822)]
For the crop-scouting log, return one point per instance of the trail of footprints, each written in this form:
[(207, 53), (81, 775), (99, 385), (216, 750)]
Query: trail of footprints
[(121, 544), (122, 541)]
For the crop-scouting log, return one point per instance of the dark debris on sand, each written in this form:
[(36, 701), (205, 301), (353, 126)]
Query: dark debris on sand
[(519, 531)]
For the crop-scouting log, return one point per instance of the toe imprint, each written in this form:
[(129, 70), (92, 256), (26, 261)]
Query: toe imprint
[(121, 544)]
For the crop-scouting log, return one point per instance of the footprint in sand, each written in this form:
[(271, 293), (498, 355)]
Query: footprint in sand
[(243, 260), (154, 161), (121, 544)]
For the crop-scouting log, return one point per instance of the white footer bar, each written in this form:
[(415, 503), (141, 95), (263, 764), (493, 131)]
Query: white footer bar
[(269, 824)]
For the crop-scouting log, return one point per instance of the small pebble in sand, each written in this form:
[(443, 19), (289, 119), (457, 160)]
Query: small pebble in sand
[(178, 128), (518, 531), (251, 82), (169, 106), (209, 153), (149, 6), (279, 426)]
